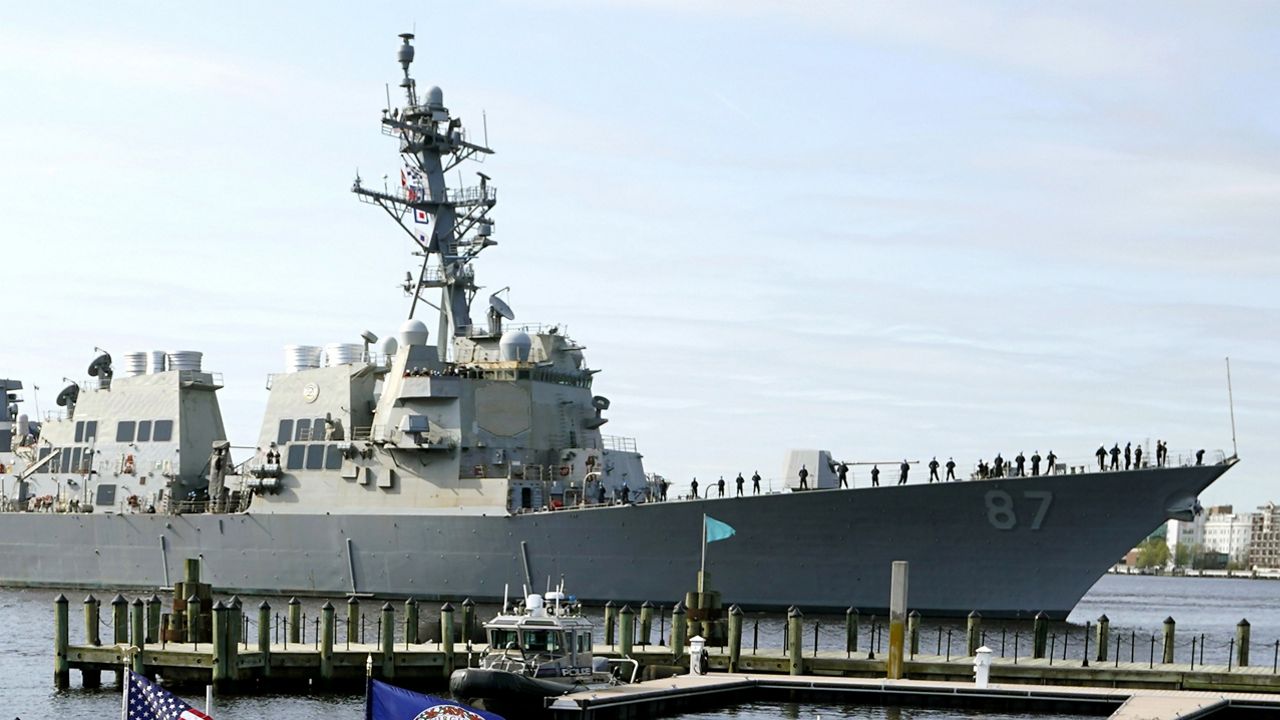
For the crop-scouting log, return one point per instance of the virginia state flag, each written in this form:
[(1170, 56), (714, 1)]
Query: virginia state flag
[(388, 702), (717, 530)]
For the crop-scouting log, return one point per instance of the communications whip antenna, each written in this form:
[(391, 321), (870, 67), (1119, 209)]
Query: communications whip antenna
[(1232, 405)]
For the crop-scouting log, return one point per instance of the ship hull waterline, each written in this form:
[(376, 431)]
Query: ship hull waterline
[(1010, 547)]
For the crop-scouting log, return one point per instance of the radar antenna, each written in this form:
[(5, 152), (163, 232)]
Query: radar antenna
[(450, 226)]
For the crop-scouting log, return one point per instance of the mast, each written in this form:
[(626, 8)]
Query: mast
[(450, 226)]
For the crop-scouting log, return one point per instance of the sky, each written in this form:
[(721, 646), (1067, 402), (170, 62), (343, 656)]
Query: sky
[(889, 230)]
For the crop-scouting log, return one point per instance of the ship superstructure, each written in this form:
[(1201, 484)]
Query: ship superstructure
[(487, 417)]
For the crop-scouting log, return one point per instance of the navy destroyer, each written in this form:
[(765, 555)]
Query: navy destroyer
[(444, 462)]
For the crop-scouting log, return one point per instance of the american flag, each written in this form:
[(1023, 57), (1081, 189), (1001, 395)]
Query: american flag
[(145, 701)]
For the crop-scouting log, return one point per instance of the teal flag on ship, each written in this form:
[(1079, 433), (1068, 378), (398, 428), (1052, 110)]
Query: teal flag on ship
[(717, 530)]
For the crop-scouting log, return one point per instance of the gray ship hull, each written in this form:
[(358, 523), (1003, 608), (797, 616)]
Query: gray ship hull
[(1009, 547)]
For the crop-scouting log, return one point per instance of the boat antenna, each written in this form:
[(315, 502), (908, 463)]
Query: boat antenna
[(1231, 403), (506, 589)]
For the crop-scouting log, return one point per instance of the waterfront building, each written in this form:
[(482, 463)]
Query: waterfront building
[(1264, 548), (1228, 533)]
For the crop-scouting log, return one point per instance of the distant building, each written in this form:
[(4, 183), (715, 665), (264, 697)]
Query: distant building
[(1228, 533), (1264, 549), (1187, 534)]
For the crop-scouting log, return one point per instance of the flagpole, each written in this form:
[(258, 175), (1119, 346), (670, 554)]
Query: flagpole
[(703, 571), (124, 695)]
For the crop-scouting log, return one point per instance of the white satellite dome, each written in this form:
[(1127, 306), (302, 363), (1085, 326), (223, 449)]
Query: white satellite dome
[(514, 345), (413, 332)]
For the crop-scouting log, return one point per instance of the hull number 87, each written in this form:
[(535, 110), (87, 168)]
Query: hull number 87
[(1030, 510)]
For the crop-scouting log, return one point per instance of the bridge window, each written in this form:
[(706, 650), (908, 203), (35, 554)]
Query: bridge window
[(162, 431), (332, 457), (90, 430), (285, 433), (144, 431), (296, 455), (124, 431), (315, 457), (80, 432)]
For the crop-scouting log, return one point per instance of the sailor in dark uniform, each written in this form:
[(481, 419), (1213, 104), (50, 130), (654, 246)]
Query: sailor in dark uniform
[(1137, 457), (694, 488), (933, 469), (843, 473), (951, 469), (875, 476), (804, 478), (906, 468), (997, 466), (720, 485), (1020, 461), (739, 482), (1052, 460), (1102, 457), (1035, 463), (1128, 455), (1115, 457), (755, 483)]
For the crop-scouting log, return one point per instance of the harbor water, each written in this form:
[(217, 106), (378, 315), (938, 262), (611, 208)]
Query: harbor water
[(1206, 610)]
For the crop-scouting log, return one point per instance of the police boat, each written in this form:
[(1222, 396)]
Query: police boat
[(536, 651)]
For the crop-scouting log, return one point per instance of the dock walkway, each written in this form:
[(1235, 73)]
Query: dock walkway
[(685, 692)]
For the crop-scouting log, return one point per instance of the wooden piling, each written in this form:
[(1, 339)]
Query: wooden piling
[(627, 628), (795, 628), (1242, 643), (220, 637), (295, 621), (138, 633), (895, 667), (468, 620), (91, 609), (973, 633), (851, 630), (1170, 626), (646, 622), (353, 620), (119, 620), (193, 618), (446, 637), (61, 640), (913, 632), (236, 625), (410, 622), (1104, 638), (154, 608), (1039, 635), (388, 640), (735, 638), (608, 623), (264, 636), (326, 641), (678, 630), (191, 573)]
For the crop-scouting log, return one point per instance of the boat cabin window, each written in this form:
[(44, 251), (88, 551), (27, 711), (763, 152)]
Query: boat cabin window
[(144, 431), (542, 641), (317, 429), (584, 642), (502, 638), (162, 431), (80, 431), (124, 431), (286, 432), (75, 460)]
